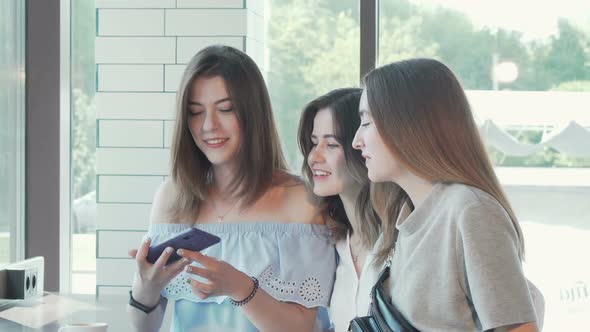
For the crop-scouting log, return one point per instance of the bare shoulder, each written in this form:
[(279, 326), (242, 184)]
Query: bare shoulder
[(163, 203), (297, 203)]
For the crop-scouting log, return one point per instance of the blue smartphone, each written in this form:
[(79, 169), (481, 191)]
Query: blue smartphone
[(193, 239)]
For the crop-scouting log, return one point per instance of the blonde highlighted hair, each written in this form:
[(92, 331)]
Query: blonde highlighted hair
[(343, 104)]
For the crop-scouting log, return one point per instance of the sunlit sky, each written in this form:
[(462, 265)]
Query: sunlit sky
[(535, 18)]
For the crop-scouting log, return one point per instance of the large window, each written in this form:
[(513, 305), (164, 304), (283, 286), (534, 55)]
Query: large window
[(313, 47), (12, 115), (528, 80), (526, 68)]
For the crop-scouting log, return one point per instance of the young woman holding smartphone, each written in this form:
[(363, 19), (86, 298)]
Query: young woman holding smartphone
[(274, 266)]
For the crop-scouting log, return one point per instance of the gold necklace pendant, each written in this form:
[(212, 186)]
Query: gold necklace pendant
[(356, 250), (220, 217)]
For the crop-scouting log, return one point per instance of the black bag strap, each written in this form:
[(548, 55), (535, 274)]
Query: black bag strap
[(382, 308), (383, 276)]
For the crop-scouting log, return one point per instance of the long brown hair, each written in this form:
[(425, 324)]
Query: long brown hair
[(343, 104), (421, 112), (260, 156)]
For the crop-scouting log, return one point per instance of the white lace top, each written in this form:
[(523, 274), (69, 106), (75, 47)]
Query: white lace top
[(351, 295)]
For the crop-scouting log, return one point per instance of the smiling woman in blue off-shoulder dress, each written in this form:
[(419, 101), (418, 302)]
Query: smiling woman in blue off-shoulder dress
[(274, 267)]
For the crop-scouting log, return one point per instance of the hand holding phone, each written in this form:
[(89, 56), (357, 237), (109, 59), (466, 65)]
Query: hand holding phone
[(193, 239)]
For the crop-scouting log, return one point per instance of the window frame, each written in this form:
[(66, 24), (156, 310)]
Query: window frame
[(47, 139), (17, 226), (369, 36)]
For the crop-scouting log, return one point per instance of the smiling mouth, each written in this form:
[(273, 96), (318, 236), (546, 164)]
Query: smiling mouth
[(320, 174), (216, 142)]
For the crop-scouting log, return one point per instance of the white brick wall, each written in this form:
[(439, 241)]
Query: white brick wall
[(127, 188), (132, 161), (172, 77), (123, 216), (115, 244), (135, 3), (188, 46), (138, 106), (130, 77), (130, 22), (146, 133), (137, 50), (168, 131), (210, 3), (209, 22), (142, 47)]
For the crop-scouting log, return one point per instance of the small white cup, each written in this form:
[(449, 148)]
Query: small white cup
[(85, 327)]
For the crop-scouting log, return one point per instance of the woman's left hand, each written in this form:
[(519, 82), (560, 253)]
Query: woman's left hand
[(224, 279)]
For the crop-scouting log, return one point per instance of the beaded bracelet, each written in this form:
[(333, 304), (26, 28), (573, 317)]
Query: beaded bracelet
[(249, 297)]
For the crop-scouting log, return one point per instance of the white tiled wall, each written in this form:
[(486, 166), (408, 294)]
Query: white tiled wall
[(130, 77), (142, 47), (114, 244), (168, 129), (137, 50), (211, 22), (210, 3), (172, 77), (135, 3), (188, 46), (130, 22), (138, 106), (122, 216), (115, 133), (132, 161), (127, 188)]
